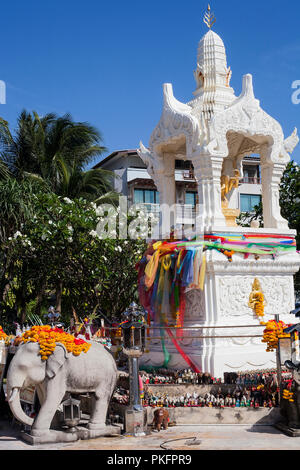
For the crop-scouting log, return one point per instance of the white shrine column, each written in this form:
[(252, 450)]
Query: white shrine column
[(271, 178), (164, 179), (208, 171)]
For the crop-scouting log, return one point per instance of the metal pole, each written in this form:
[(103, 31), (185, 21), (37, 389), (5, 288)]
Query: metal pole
[(134, 386), (135, 391), (278, 363)]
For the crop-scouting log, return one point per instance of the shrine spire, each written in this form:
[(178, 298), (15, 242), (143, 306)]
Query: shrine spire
[(209, 18)]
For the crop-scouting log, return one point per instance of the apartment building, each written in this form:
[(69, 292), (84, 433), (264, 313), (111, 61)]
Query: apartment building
[(134, 181)]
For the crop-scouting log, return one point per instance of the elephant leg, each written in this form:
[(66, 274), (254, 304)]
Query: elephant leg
[(52, 401), (98, 416), (40, 394)]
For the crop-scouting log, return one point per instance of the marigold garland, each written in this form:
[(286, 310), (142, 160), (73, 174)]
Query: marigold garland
[(3, 335), (274, 330), (288, 395), (48, 337)]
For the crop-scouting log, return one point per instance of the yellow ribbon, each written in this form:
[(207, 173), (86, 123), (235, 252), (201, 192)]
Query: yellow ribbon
[(202, 273), (151, 269)]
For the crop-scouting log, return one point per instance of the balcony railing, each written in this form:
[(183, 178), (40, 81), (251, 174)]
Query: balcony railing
[(188, 174), (185, 213), (251, 180)]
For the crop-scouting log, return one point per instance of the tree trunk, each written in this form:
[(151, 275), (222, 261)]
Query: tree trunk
[(59, 288), (39, 300)]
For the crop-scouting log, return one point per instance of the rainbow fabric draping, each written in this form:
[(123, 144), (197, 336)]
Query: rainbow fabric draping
[(169, 268)]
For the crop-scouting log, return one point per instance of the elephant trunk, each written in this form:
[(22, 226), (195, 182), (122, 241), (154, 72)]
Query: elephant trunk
[(16, 408), (14, 383)]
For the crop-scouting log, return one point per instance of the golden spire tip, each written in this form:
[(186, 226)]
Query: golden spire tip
[(209, 18)]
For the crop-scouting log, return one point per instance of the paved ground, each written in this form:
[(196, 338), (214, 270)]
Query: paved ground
[(207, 438)]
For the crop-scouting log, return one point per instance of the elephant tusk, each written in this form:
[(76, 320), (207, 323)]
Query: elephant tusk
[(13, 395)]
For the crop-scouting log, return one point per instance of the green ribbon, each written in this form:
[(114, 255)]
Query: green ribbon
[(167, 356)]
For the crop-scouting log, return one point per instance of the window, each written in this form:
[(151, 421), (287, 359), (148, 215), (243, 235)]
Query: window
[(249, 201), (183, 165), (146, 196), (252, 174), (191, 198)]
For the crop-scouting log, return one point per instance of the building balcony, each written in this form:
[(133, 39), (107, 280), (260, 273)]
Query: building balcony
[(251, 180)]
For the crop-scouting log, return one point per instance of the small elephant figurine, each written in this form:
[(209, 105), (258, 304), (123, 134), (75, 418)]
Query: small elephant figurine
[(92, 372), (161, 419)]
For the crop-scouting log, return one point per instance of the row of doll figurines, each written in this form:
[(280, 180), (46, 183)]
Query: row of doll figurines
[(247, 398)]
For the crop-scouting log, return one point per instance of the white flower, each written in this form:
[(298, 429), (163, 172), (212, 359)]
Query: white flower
[(93, 233), (66, 199), (70, 239), (70, 228), (50, 222), (18, 234)]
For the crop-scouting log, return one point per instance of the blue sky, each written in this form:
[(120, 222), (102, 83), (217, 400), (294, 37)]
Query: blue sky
[(105, 62)]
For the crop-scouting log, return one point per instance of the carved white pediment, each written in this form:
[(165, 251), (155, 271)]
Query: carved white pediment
[(176, 122), (289, 145), (245, 116), (153, 161)]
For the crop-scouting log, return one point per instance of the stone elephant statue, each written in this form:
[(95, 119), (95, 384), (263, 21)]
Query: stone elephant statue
[(94, 371), (291, 410)]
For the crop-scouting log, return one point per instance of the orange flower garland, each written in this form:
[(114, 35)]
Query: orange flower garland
[(3, 335), (288, 395), (47, 338), (272, 332), (259, 305)]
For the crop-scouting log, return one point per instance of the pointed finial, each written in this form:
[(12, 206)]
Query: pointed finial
[(209, 18)]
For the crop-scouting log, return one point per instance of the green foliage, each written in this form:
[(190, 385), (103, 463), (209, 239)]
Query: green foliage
[(58, 250), (48, 218)]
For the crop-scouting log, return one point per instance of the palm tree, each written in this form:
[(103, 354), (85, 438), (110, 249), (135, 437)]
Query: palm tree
[(92, 185), (56, 150)]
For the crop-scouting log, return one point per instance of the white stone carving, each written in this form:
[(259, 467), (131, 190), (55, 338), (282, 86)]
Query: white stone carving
[(245, 116), (195, 306), (176, 123), (234, 294)]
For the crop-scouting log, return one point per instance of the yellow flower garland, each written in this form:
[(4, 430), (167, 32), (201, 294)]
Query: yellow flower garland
[(272, 332), (48, 337), (3, 335), (287, 395)]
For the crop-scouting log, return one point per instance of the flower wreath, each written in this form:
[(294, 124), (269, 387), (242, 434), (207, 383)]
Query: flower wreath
[(48, 337)]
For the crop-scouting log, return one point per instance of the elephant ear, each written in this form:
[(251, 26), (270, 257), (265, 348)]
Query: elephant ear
[(56, 361)]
